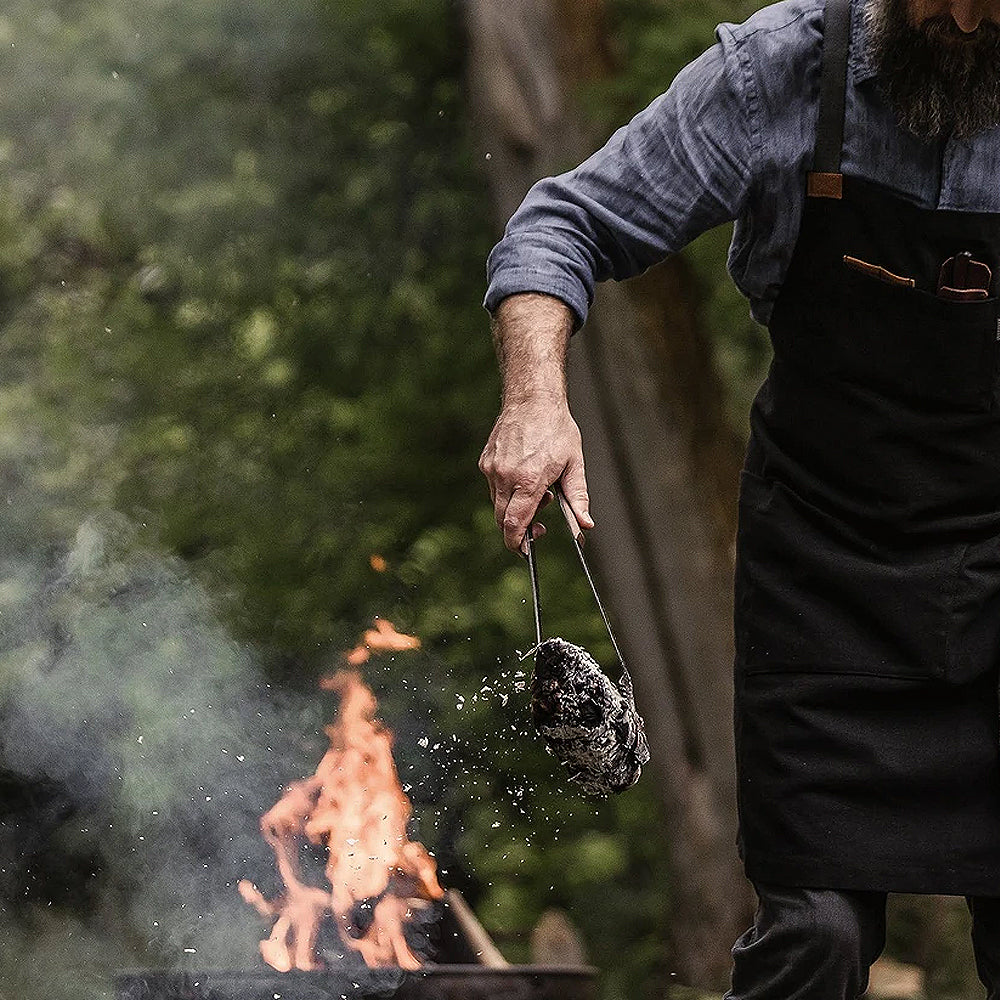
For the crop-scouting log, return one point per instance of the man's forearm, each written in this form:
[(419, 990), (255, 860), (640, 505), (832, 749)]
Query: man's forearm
[(535, 441), (531, 333)]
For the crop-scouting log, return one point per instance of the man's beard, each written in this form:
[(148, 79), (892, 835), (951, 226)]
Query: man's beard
[(937, 79)]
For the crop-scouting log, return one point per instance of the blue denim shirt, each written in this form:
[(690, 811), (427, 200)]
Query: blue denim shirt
[(731, 139)]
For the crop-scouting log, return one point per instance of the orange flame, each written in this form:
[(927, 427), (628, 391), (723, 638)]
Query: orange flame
[(382, 638), (354, 805)]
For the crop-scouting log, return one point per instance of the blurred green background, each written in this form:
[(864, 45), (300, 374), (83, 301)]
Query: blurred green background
[(242, 251)]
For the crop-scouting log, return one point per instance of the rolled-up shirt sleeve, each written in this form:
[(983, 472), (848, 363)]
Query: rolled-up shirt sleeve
[(680, 167)]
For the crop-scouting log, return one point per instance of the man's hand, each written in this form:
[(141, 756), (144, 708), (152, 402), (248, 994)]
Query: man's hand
[(534, 444), (535, 441)]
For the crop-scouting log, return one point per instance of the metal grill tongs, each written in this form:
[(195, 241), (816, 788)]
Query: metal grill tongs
[(587, 720), (625, 682)]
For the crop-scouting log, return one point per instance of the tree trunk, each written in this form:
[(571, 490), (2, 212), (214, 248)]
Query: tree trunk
[(661, 467)]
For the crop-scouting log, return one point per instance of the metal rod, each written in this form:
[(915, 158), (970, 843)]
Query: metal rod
[(533, 571), (481, 943), (625, 683), (568, 514)]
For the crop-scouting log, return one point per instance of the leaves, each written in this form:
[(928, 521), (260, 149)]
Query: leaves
[(241, 259)]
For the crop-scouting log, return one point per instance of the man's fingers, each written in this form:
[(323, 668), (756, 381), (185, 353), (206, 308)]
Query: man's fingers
[(486, 468), (537, 530), (574, 487), (500, 504), (533, 445), (520, 511)]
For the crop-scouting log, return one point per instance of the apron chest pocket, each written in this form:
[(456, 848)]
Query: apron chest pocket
[(814, 595), (917, 347)]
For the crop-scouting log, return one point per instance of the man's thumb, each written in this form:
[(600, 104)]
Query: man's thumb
[(574, 486)]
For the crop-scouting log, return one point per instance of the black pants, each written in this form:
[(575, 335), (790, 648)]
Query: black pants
[(817, 944)]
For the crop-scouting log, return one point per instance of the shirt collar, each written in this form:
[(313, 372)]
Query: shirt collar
[(861, 63)]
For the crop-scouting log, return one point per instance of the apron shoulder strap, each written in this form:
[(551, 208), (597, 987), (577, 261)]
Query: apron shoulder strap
[(825, 179)]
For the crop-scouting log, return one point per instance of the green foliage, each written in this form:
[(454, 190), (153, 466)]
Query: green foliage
[(241, 257)]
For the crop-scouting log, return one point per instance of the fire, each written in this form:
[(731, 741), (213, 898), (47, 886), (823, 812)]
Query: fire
[(354, 806), (382, 638)]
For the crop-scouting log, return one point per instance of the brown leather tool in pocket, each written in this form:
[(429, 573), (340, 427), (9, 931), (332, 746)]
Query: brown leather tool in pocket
[(963, 279), (879, 273)]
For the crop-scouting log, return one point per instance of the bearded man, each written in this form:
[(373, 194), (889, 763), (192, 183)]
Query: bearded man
[(857, 148)]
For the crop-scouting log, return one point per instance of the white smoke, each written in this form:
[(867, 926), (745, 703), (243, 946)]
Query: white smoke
[(139, 746)]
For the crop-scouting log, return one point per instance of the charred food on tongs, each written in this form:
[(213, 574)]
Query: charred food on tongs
[(587, 721)]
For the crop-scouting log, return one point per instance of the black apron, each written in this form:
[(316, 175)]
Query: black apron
[(868, 553)]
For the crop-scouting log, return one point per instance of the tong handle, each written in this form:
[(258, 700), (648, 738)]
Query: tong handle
[(570, 518), (533, 572)]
